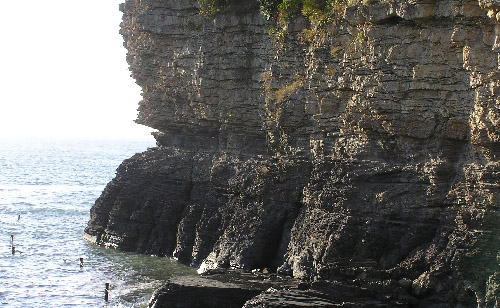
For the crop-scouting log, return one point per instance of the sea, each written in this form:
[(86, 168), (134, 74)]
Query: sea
[(47, 187)]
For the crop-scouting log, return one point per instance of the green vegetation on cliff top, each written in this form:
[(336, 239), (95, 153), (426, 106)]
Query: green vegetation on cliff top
[(317, 11)]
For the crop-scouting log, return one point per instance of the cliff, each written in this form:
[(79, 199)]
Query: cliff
[(366, 151)]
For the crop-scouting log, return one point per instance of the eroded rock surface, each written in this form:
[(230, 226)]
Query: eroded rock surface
[(232, 288), (370, 154), (229, 290)]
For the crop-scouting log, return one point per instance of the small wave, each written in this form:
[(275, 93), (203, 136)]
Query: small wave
[(57, 210), (143, 304), (10, 188)]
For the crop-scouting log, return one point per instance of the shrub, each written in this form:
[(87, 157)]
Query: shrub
[(312, 9), (269, 8), (210, 8), (289, 9)]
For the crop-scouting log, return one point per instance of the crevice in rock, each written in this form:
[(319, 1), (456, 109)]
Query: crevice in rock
[(281, 245), (391, 20), (208, 230), (186, 233)]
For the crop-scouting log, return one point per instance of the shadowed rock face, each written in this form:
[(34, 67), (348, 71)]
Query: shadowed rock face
[(371, 153), (232, 288)]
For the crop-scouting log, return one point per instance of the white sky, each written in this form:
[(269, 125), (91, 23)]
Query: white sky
[(63, 71)]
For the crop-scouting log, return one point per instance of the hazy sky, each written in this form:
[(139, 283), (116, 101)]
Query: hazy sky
[(63, 71)]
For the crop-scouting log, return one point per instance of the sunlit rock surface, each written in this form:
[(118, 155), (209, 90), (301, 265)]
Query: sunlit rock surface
[(370, 155)]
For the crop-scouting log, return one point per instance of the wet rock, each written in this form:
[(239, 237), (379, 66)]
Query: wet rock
[(229, 289), (238, 289)]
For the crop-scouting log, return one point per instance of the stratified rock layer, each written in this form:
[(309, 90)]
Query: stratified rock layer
[(213, 292), (251, 290), (369, 154)]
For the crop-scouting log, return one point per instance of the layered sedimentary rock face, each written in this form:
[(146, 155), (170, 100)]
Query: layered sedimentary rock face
[(367, 150)]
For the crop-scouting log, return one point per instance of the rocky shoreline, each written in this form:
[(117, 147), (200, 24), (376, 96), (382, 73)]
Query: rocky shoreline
[(230, 288), (363, 155), (215, 289)]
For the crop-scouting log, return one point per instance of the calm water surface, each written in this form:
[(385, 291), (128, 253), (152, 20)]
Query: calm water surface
[(47, 188)]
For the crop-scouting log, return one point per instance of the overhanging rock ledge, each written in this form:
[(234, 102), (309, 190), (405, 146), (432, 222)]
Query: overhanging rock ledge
[(369, 155)]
